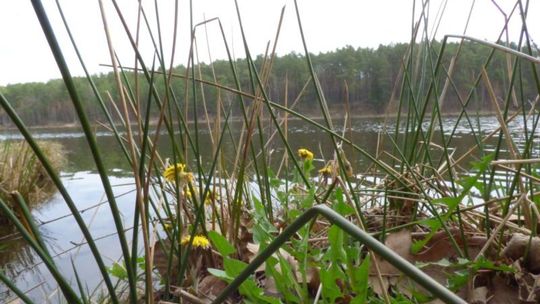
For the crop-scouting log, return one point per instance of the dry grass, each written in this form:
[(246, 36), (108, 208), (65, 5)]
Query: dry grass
[(21, 171)]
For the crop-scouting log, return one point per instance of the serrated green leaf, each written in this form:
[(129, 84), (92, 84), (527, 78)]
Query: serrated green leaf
[(458, 280), (361, 276), (450, 202), (335, 237), (220, 242), (330, 289), (483, 263), (340, 206)]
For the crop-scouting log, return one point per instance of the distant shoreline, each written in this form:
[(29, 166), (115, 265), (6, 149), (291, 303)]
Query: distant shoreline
[(238, 119)]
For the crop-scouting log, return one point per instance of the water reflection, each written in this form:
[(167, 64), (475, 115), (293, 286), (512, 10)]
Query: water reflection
[(64, 238)]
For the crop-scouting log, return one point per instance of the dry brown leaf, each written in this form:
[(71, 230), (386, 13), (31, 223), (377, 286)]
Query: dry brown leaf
[(375, 284), (161, 260), (313, 278), (517, 247), (440, 246), (210, 287), (479, 295), (503, 291), (270, 288), (400, 242)]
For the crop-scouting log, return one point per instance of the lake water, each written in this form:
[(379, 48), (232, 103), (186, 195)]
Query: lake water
[(79, 176)]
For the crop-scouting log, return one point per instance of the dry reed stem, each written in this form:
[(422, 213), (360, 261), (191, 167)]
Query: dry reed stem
[(511, 146), (502, 224), (534, 178), (515, 161), (134, 163)]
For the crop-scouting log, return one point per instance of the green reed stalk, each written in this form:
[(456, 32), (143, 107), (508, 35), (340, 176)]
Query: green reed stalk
[(34, 231), (21, 294), (200, 208), (63, 191), (42, 252), (68, 80), (83, 296), (91, 82)]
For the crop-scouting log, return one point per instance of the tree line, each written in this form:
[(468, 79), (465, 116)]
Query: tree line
[(367, 80)]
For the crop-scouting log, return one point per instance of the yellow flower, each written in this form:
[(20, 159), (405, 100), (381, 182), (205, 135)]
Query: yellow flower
[(199, 241), (326, 171), (187, 193), (305, 154), (178, 169), (210, 198)]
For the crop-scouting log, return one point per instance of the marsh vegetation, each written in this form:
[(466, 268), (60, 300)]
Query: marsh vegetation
[(212, 196)]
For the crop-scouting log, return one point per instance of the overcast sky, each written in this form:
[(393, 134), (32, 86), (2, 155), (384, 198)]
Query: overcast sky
[(25, 55)]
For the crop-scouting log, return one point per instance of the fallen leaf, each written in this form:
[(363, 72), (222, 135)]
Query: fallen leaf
[(503, 291), (517, 247), (479, 295), (400, 242), (210, 287), (440, 246)]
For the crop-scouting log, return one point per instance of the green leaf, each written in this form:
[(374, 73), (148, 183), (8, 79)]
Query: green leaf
[(484, 163), (141, 262), (220, 242), (361, 275), (118, 271), (248, 288), (336, 252), (308, 167), (352, 252), (220, 274), (339, 195), (330, 289), (450, 202), (434, 225), (340, 206), (282, 283), (483, 263), (263, 229), (289, 281), (309, 199), (458, 280), (233, 267), (442, 263)]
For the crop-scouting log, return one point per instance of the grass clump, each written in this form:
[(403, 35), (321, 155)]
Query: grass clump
[(22, 172)]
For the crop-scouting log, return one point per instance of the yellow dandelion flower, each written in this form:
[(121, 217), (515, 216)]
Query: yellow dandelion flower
[(180, 170), (209, 198), (326, 171), (305, 154), (199, 241), (187, 193)]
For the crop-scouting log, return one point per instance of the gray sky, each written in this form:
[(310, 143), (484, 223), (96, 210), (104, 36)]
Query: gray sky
[(25, 55)]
